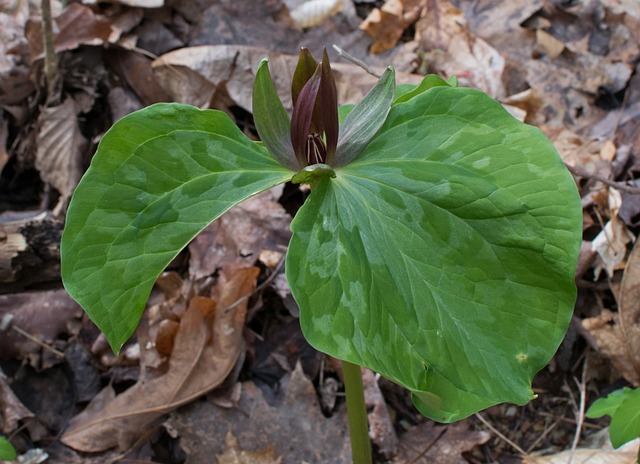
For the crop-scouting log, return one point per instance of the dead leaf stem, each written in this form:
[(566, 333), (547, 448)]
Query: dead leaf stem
[(622, 186), (356, 61)]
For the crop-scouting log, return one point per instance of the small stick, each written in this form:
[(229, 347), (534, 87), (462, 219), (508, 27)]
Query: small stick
[(502, 436), (429, 446), (50, 58), (586, 425), (6, 324), (582, 387), (266, 282), (356, 61), (623, 187), (542, 436), (36, 341)]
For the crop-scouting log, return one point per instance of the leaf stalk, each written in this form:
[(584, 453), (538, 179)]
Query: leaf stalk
[(357, 412)]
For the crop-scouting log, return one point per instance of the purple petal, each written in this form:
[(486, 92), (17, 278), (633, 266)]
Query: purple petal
[(329, 107), (303, 115)]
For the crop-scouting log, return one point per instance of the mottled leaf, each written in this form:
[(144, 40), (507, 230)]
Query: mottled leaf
[(271, 119), (160, 176), (429, 81), (362, 123), (443, 256)]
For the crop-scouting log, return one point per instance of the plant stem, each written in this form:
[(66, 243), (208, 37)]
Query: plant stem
[(357, 411)]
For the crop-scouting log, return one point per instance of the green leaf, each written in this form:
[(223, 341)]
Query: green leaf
[(271, 119), (607, 406), (312, 174), (343, 111), (443, 257), (625, 422), (430, 81), (362, 123), (159, 177), (7, 451), (623, 406), (401, 89)]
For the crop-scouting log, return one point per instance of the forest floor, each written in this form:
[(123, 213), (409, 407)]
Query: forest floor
[(569, 67)]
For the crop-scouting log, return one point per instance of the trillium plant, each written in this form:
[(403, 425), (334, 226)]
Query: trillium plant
[(437, 247)]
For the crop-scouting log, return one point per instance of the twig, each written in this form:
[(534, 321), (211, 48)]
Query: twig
[(50, 58), (6, 324), (266, 282), (429, 446), (567, 420), (622, 186), (582, 388), (542, 436), (356, 61), (502, 436), (36, 341)]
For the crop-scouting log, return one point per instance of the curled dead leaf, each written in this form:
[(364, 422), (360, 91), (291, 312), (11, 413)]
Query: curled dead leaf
[(76, 25), (618, 335), (206, 347), (11, 408), (454, 50), (59, 148)]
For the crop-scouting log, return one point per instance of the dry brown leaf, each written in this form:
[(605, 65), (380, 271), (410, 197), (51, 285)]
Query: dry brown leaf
[(629, 311), (233, 455), (499, 23), (529, 102), (427, 443), (43, 315), (551, 46), (123, 22), (611, 246), (192, 75), (387, 24), (15, 82), (135, 70), (386, 28), (627, 454), (292, 423), (205, 350), (607, 332), (569, 83), (581, 152), (11, 408), (381, 430), (59, 147), (240, 234), (454, 50), (76, 25)]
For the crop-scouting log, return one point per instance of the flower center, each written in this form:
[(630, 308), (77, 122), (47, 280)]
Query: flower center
[(316, 150)]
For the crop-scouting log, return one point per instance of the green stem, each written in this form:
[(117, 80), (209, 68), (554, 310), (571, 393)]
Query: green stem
[(357, 411)]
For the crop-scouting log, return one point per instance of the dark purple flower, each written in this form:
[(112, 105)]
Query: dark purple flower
[(312, 136)]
